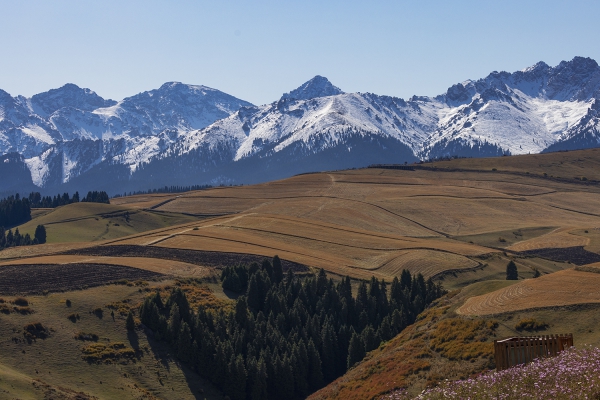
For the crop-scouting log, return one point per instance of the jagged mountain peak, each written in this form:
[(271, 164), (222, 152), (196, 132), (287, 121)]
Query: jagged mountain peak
[(179, 86), (184, 94), (319, 86), (69, 95), (578, 64), (217, 136), (538, 66)]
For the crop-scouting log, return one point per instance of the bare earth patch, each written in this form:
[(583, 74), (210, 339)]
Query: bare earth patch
[(34, 278)]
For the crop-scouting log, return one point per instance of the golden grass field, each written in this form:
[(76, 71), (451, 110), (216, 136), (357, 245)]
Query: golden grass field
[(558, 289), (53, 368), (567, 165), (174, 268), (358, 222)]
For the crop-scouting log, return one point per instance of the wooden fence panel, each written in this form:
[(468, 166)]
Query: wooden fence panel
[(520, 350)]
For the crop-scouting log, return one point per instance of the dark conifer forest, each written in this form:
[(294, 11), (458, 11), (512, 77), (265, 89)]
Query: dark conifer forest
[(36, 200), (288, 335), (14, 210), (166, 189)]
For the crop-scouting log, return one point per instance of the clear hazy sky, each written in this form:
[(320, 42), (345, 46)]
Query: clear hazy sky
[(257, 50)]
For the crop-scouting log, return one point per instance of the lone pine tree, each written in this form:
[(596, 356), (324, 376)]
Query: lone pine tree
[(511, 271), (40, 234)]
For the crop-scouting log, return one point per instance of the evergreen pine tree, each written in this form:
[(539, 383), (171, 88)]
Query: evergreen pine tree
[(184, 343), (356, 350), (268, 268), (253, 294), (259, 388), (130, 323), (511, 271), (237, 378), (315, 374), (369, 338), (329, 351), (300, 369), (277, 270), (174, 324), (40, 234)]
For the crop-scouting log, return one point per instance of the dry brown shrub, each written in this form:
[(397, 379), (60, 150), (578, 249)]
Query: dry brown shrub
[(21, 301), (108, 353), (92, 337), (531, 324), (35, 330), (462, 339), (74, 317)]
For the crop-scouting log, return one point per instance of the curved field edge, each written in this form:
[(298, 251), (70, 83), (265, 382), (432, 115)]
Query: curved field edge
[(197, 257), (568, 287)]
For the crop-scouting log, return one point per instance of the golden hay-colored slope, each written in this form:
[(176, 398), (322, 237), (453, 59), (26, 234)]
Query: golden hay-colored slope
[(360, 222), (167, 267), (568, 164), (379, 221), (339, 249), (558, 289), (87, 222), (438, 346), (561, 237)]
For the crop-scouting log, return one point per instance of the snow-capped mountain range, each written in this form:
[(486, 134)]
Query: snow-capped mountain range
[(184, 134)]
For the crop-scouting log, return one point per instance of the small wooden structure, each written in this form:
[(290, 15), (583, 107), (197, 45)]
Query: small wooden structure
[(520, 350)]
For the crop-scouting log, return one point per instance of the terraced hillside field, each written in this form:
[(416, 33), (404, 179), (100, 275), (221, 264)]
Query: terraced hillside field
[(559, 289), (358, 222)]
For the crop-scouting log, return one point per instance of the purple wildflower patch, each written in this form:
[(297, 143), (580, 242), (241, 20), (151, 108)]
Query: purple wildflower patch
[(573, 374)]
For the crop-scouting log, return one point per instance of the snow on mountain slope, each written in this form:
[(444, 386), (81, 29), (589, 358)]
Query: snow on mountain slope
[(503, 113), (318, 86), (85, 130), (511, 121), (195, 134), (69, 95), (286, 122), (524, 112)]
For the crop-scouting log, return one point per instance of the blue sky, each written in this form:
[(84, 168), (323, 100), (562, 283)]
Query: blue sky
[(257, 50)]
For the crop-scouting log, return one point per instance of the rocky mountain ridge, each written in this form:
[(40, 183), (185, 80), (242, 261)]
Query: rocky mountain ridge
[(187, 134)]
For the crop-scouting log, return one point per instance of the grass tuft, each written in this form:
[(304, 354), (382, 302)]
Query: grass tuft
[(21, 301), (74, 317), (530, 325), (92, 337), (108, 353), (34, 331)]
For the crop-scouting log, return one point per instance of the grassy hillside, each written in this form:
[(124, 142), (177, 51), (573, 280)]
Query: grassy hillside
[(566, 165), (378, 222), (88, 222), (459, 224), (138, 368)]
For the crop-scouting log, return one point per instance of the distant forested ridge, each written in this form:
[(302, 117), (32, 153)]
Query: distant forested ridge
[(166, 189), (96, 197), (38, 201), (14, 210), (288, 336)]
